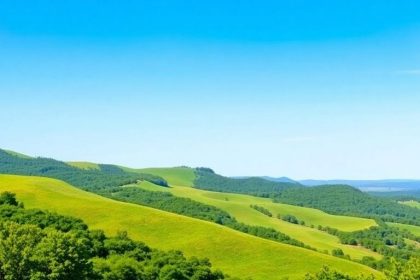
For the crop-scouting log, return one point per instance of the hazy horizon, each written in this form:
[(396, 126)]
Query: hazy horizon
[(307, 90)]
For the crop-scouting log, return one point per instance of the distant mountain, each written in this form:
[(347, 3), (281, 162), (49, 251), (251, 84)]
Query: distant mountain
[(268, 178), (280, 179), (391, 185)]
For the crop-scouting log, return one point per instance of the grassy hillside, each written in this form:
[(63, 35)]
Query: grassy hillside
[(411, 203), (234, 252), (178, 176), (239, 206), (184, 177), (105, 176)]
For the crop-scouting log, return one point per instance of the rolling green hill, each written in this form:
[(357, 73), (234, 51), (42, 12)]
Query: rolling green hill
[(105, 176), (234, 252), (239, 207)]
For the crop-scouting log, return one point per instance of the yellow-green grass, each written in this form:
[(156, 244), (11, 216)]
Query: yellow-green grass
[(84, 165), (413, 229), (175, 176), (239, 206), (236, 253), (411, 203), (412, 242)]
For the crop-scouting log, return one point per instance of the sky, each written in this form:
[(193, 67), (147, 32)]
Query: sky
[(305, 89)]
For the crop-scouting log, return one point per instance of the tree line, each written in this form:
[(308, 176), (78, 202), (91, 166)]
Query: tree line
[(383, 239)]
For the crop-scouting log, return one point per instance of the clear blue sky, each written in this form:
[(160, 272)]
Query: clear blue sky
[(306, 89)]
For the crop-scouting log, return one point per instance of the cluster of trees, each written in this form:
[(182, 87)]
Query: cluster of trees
[(92, 180), (346, 200), (409, 270), (208, 180), (289, 218), (185, 206), (338, 253), (388, 241), (261, 209), (39, 245), (327, 274)]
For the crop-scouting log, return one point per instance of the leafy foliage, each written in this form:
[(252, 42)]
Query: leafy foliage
[(8, 198), (327, 274), (397, 271), (261, 209), (43, 219), (388, 241), (289, 218)]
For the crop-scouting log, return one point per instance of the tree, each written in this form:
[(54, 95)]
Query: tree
[(62, 256), (16, 250), (337, 252), (404, 271), (8, 198)]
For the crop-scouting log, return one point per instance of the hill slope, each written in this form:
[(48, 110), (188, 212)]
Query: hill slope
[(234, 252), (239, 207)]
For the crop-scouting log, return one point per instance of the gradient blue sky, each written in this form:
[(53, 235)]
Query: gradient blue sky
[(306, 89)]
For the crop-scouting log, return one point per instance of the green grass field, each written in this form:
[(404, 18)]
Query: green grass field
[(411, 203), (413, 229), (236, 253), (84, 165), (176, 176), (239, 206)]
